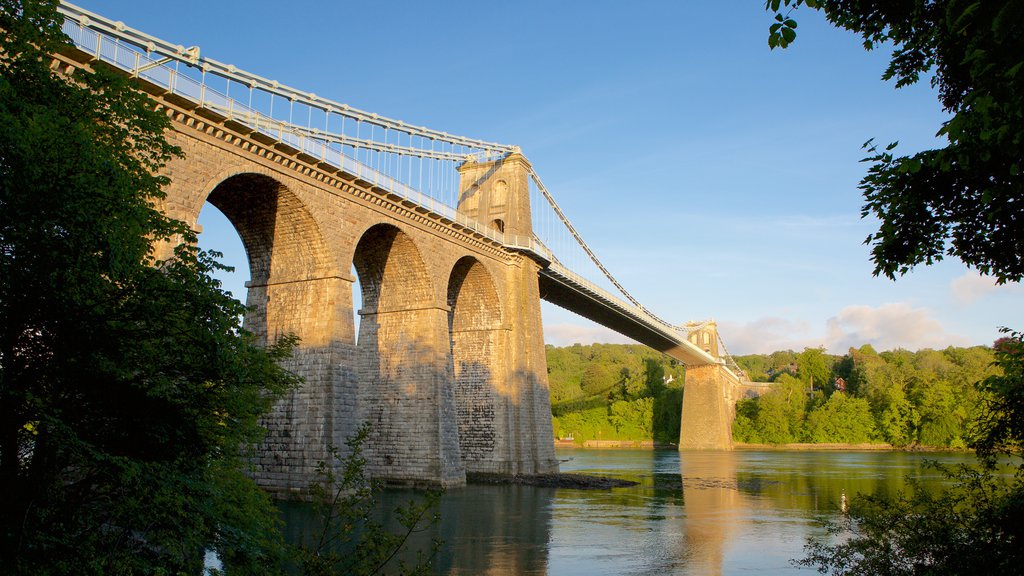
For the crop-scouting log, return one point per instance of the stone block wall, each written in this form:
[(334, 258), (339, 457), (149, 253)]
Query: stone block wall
[(449, 380), (707, 409)]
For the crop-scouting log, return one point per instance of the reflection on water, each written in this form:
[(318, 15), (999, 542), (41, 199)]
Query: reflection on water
[(693, 512)]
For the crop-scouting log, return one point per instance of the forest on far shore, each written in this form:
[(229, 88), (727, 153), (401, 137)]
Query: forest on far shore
[(906, 399)]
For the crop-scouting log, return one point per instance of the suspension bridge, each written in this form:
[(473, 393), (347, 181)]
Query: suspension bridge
[(453, 239)]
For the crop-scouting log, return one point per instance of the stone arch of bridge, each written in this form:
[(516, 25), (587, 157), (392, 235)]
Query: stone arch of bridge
[(286, 252), (403, 374), (475, 322), (294, 288), (391, 270)]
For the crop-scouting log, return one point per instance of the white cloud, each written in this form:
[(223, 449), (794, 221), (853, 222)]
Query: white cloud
[(885, 327), (766, 335), (569, 334), (971, 287)]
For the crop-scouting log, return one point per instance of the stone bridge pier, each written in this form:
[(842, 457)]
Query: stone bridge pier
[(708, 398), (444, 359)]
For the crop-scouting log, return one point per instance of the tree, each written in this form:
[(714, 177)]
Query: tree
[(840, 419), (963, 200), (129, 395), (967, 198), (780, 412), (599, 378), (811, 367), (744, 426), (346, 538)]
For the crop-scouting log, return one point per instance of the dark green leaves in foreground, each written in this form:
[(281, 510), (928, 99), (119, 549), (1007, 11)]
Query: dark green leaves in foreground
[(128, 392), (966, 198), (347, 539)]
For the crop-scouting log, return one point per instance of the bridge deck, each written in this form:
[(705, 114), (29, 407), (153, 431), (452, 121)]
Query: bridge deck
[(582, 298)]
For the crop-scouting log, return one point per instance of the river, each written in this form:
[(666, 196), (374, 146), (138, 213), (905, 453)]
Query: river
[(694, 513)]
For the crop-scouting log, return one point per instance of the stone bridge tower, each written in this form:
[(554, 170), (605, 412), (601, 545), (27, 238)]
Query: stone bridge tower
[(708, 403), (497, 193), (498, 357)]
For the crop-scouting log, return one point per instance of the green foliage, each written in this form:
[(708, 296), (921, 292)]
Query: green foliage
[(668, 412), (347, 539), (1001, 426), (128, 392), (966, 199), (840, 419), (972, 528), (744, 426), (614, 392), (761, 368), (919, 398), (599, 379), (781, 412), (812, 367)]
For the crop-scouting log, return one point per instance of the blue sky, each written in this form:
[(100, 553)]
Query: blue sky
[(714, 177)]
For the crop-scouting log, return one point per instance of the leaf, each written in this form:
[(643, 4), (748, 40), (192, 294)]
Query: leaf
[(788, 35)]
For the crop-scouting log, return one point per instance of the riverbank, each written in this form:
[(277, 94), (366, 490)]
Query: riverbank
[(802, 446), (642, 444), (558, 480), (793, 447)]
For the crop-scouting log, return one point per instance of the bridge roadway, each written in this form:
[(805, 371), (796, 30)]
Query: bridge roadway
[(451, 303)]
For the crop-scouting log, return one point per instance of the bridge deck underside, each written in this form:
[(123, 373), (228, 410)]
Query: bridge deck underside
[(593, 307)]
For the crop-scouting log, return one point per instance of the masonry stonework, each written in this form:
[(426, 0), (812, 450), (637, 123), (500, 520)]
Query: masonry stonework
[(707, 409), (446, 360)]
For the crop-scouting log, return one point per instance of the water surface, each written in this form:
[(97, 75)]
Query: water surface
[(693, 513)]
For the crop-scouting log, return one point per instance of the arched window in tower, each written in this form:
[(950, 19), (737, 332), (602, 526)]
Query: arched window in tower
[(470, 200), (499, 225), (499, 194), (707, 338)]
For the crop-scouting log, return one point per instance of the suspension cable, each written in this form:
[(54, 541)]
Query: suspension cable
[(593, 257)]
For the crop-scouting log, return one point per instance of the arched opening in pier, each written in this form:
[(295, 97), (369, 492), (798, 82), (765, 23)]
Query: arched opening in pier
[(284, 254), (396, 349), (216, 233), (474, 324)]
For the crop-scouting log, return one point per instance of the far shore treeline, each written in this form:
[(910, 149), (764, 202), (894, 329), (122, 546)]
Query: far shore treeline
[(905, 399)]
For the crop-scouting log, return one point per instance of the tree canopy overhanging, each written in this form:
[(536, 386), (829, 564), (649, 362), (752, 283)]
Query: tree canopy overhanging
[(965, 199), (128, 391)]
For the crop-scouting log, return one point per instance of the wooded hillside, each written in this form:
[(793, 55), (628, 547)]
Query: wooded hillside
[(630, 392)]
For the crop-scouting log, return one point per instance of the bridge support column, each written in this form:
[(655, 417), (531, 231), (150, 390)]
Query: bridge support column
[(707, 416), (531, 440), (320, 413), (497, 192), (406, 394)]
